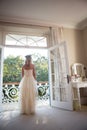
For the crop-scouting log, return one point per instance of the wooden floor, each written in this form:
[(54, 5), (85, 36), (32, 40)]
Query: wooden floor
[(46, 118)]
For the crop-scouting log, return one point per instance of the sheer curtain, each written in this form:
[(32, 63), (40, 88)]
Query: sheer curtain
[(56, 35)]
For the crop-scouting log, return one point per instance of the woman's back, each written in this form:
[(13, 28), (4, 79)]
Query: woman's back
[(28, 72)]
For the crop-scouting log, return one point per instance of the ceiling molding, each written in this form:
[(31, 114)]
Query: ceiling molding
[(34, 22), (83, 24)]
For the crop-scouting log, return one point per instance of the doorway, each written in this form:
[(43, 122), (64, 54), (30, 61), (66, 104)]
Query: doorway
[(23, 42), (17, 46)]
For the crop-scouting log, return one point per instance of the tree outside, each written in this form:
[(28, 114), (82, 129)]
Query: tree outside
[(13, 65)]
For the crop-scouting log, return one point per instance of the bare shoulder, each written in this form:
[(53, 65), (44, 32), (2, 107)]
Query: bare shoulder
[(32, 65)]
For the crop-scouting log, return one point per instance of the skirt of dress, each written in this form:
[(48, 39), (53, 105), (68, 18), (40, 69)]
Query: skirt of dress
[(27, 95)]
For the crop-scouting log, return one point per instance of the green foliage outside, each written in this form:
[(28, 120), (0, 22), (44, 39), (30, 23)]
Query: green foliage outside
[(13, 65), (12, 69), (41, 65)]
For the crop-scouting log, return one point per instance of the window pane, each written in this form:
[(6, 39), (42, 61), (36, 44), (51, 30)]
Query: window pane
[(23, 40)]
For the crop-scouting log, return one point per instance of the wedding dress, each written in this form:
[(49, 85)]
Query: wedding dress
[(28, 92)]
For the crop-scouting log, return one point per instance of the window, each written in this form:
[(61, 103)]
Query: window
[(25, 40)]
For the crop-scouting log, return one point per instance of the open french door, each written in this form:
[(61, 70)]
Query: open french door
[(1, 75), (60, 88)]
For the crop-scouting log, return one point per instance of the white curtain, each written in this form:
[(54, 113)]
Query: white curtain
[(56, 35)]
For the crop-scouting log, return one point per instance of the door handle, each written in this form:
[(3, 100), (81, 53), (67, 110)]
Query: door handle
[(68, 79)]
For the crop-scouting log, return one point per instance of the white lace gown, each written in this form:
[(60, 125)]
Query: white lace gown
[(28, 92)]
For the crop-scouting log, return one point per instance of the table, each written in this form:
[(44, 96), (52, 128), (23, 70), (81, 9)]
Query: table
[(77, 94)]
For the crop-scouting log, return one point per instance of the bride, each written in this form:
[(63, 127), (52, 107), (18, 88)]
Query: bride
[(28, 87)]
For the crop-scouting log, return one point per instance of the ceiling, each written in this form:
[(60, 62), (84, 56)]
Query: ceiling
[(68, 13)]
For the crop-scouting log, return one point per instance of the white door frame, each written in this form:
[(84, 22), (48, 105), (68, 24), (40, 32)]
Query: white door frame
[(1, 75)]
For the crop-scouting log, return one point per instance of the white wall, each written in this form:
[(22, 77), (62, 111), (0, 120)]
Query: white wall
[(75, 46), (85, 41)]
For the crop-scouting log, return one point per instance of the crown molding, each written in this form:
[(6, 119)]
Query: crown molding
[(40, 23)]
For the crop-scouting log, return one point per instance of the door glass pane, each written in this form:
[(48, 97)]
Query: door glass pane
[(54, 74), (59, 74)]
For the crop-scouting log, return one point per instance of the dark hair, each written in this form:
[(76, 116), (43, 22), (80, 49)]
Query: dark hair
[(28, 56)]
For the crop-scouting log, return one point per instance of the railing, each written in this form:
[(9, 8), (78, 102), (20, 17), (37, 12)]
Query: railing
[(10, 92)]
